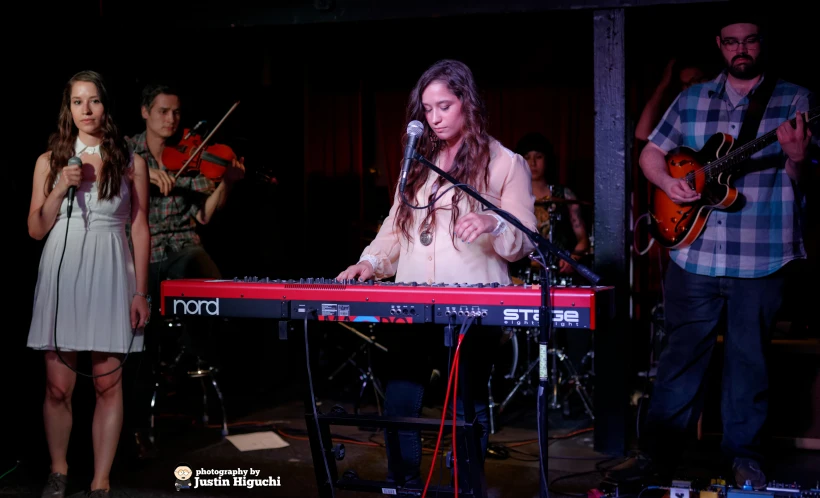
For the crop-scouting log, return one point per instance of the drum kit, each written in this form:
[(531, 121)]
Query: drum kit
[(565, 377), (529, 274)]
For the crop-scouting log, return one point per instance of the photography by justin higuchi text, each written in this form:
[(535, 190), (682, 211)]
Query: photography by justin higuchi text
[(186, 478)]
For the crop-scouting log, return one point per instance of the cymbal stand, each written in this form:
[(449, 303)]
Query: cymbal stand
[(554, 216), (525, 378), (365, 374), (574, 379)]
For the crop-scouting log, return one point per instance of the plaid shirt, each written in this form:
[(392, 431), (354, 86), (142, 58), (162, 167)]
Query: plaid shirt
[(765, 233), (172, 218)]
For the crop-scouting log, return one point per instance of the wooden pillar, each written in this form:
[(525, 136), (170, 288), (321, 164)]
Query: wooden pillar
[(610, 228)]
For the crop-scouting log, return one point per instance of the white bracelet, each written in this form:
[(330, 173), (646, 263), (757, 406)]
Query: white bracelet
[(500, 227), (374, 262)]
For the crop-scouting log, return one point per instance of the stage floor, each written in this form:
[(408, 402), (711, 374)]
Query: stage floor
[(574, 467), (262, 393), (184, 440), (512, 469)]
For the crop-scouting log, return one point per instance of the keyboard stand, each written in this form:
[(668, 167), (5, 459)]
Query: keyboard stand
[(322, 448)]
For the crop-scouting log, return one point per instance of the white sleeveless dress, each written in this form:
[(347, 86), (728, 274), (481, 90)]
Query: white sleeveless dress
[(97, 279)]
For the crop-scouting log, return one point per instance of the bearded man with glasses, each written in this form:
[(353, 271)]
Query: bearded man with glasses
[(730, 280)]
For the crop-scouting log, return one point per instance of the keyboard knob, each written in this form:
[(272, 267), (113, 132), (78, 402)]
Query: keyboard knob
[(414, 284), (494, 284)]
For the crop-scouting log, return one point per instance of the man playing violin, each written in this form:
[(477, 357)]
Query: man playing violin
[(177, 206), (184, 201)]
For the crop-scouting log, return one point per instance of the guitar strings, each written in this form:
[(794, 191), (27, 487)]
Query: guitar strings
[(743, 148)]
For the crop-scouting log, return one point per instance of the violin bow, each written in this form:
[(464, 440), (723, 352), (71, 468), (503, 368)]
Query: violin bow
[(206, 140)]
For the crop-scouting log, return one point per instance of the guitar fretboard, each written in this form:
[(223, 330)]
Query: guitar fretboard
[(730, 161)]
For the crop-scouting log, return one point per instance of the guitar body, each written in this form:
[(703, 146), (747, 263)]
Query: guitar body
[(676, 226)]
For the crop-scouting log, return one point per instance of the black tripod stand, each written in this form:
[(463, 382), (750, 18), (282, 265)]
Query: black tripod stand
[(365, 373)]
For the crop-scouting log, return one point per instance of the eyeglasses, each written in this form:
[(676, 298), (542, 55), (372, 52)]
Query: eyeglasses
[(752, 41)]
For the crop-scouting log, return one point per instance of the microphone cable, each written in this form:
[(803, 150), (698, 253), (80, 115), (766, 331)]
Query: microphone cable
[(57, 308)]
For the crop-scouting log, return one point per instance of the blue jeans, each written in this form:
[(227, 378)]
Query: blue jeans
[(696, 306), (405, 393)]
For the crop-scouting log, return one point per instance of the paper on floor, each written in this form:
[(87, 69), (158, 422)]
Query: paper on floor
[(257, 441)]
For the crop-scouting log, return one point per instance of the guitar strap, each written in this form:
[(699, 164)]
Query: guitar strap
[(757, 104)]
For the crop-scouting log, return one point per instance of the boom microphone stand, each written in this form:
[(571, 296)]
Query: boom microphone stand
[(544, 314)]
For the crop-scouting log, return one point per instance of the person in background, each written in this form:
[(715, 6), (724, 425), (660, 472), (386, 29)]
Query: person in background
[(178, 206)]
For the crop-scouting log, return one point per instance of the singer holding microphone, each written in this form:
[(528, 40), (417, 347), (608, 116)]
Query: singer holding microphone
[(451, 241), (91, 292)]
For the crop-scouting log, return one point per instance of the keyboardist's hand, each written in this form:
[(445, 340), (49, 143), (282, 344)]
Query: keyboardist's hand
[(363, 271)]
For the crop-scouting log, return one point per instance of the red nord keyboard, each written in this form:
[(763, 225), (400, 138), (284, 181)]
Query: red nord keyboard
[(384, 302)]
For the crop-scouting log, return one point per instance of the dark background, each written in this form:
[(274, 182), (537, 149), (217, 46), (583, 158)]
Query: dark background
[(321, 108)]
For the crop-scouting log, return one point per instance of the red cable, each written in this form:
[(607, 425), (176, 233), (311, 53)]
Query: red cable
[(455, 408), (443, 415)]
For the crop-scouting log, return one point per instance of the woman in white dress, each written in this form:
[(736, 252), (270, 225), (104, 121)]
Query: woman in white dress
[(91, 292)]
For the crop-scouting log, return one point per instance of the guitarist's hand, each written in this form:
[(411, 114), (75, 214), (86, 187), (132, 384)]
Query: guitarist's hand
[(679, 192), (795, 139)]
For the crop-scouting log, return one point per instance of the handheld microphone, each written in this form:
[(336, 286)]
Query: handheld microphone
[(414, 131), (72, 190)]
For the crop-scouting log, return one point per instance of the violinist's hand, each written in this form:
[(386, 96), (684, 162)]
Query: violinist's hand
[(161, 179), (235, 172), (362, 270)]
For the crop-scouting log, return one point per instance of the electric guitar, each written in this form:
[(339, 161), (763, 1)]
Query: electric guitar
[(707, 171)]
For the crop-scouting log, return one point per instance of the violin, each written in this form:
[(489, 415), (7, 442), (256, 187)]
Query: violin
[(211, 161), (192, 154)]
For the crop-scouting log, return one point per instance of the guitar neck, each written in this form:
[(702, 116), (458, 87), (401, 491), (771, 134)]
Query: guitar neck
[(730, 161)]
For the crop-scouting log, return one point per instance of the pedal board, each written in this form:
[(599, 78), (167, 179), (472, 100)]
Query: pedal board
[(748, 493), (716, 489)]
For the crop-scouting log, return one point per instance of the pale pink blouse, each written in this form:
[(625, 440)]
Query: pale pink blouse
[(483, 261)]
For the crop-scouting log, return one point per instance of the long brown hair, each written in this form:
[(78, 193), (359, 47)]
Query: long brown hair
[(473, 157), (113, 148)]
